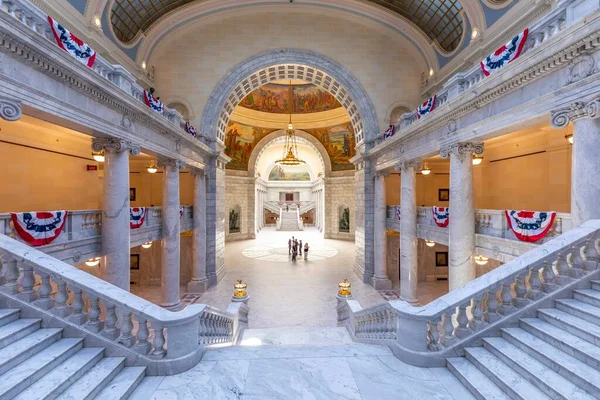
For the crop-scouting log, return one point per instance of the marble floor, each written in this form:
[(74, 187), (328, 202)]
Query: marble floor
[(303, 364)]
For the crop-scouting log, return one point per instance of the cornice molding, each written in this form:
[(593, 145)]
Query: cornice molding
[(578, 110)]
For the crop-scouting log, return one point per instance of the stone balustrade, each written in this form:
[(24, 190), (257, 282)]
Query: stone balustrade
[(81, 235), (426, 336), (167, 342)]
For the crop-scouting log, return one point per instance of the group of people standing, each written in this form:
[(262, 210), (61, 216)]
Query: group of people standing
[(295, 248)]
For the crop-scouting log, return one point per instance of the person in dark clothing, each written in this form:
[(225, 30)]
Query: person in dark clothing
[(289, 246), (300, 248)]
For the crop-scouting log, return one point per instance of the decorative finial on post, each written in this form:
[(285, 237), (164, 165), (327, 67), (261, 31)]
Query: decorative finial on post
[(239, 292), (344, 292)]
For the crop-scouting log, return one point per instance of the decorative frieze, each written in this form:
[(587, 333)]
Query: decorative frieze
[(577, 110), (10, 110), (462, 149), (116, 145)]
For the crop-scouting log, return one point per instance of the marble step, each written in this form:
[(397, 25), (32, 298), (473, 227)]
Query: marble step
[(544, 378), (18, 329), (567, 342), (95, 380), (595, 285), (22, 349), (576, 371), (589, 296), (294, 351), (297, 335), (580, 309), (475, 380), (25, 374), (56, 381), (8, 315), (504, 376), (122, 385), (576, 326)]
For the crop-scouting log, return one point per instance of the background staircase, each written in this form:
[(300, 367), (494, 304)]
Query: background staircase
[(553, 356), (289, 221), (38, 363)]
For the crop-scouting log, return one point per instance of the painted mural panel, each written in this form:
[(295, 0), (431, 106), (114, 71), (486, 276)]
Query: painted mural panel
[(340, 144), (289, 173), (274, 98), (240, 140)]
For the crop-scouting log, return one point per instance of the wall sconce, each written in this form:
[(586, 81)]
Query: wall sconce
[(569, 137), (477, 159), (144, 65), (97, 21), (152, 168), (147, 245), (474, 34), (344, 288), (481, 260), (430, 243), (431, 72), (426, 170), (98, 156), (92, 262)]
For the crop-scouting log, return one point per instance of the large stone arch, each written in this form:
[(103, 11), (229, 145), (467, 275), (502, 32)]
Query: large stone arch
[(289, 64)]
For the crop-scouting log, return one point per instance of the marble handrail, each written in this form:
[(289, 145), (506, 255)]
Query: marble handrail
[(35, 19), (484, 303)]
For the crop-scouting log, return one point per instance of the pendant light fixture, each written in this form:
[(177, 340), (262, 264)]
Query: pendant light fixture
[(152, 168), (290, 150)]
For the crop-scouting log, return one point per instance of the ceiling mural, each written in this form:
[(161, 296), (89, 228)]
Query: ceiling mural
[(289, 173), (274, 98), (240, 140), (339, 143)]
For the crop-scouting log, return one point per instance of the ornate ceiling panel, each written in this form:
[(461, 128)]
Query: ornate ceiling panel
[(441, 20)]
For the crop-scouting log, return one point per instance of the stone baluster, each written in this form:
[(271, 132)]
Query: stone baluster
[(520, 299), (549, 277), (94, 323), (61, 308), (476, 323), (491, 306), (506, 307), (535, 284), (159, 341), (591, 254), (45, 301), (78, 316), (576, 261), (142, 346), (433, 334), (126, 339), (11, 275), (562, 268), (110, 330), (447, 338), (27, 293), (462, 330)]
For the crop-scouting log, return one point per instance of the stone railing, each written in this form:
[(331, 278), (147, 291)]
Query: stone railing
[(426, 336), (36, 20), (167, 342), (81, 235), (457, 85)]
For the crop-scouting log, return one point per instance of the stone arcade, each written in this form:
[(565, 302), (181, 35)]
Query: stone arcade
[(146, 204)]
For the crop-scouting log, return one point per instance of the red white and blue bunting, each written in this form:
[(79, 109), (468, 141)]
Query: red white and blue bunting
[(153, 102), (190, 129), (137, 215), (39, 228), (181, 211), (426, 107), (530, 226), (441, 216), (72, 44), (505, 54), (398, 211), (389, 132)]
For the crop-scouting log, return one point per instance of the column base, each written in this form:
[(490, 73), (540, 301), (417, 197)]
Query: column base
[(412, 302), (197, 287), (174, 306), (382, 283)]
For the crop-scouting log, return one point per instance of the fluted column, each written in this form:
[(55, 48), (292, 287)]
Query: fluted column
[(585, 164), (461, 230), (408, 231), (169, 285), (199, 281), (380, 278), (115, 213)]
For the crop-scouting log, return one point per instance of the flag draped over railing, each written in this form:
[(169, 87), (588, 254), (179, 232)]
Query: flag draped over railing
[(153, 102), (505, 54), (389, 132), (530, 226), (72, 44), (441, 216), (427, 107), (39, 228), (137, 215), (190, 129)]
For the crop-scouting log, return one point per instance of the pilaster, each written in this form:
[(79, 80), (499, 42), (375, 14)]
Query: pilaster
[(380, 279)]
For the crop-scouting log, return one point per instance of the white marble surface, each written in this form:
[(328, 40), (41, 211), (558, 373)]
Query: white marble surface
[(585, 164), (198, 282), (380, 280), (170, 253), (408, 237)]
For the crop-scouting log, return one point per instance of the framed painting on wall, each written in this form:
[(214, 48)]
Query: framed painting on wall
[(134, 262), (443, 194), (441, 258), (131, 194)]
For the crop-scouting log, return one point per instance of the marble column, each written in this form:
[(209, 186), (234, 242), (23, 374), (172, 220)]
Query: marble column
[(380, 278), (585, 164), (199, 281), (408, 232), (115, 213), (461, 229), (170, 254)]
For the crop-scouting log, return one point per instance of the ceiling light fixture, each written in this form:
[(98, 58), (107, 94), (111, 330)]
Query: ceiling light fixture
[(144, 65), (431, 72), (147, 245), (152, 168), (474, 33), (92, 262), (97, 21), (430, 243), (426, 170), (569, 137), (481, 260), (477, 159), (290, 150), (98, 156)]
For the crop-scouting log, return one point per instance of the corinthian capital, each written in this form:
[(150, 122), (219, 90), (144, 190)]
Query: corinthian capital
[(116, 145), (10, 110), (577, 110), (169, 162), (405, 165), (462, 149)]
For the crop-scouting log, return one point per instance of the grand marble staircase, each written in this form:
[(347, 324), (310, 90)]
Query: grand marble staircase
[(555, 355), (289, 221), (38, 363)]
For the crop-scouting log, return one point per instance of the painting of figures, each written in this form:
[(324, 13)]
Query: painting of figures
[(274, 98), (340, 145), (240, 140), (289, 173)]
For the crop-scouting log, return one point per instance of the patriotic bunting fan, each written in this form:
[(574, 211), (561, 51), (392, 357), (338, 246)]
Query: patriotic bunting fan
[(153, 102), (39, 228), (389, 132), (72, 44), (505, 54), (181, 211), (441, 216), (190, 129), (530, 226), (137, 215), (398, 212), (426, 107)]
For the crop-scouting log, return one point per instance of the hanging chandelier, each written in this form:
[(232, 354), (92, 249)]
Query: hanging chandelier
[(290, 150)]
